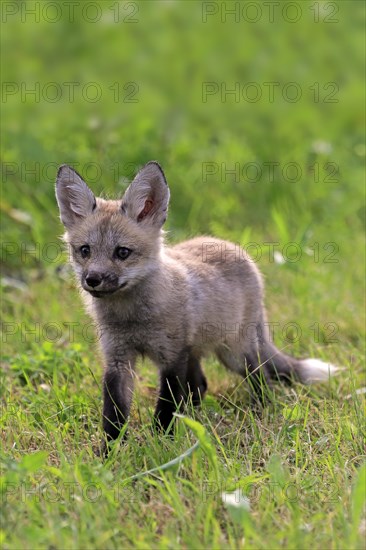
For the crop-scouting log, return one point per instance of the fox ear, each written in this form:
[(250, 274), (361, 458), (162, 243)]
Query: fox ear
[(75, 199), (147, 197)]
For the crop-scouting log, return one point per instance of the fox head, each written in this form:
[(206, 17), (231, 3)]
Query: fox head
[(114, 244)]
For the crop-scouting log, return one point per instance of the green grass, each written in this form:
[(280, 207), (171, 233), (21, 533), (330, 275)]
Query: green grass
[(296, 468)]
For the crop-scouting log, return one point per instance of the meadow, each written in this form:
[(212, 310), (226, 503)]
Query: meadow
[(257, 117)]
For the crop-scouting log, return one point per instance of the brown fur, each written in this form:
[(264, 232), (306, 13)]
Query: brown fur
[(173, 304)]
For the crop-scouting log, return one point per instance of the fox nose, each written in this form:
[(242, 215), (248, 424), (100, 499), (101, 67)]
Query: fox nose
[(93, 279)]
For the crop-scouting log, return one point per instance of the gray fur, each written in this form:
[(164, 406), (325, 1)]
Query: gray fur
[(173, 304)]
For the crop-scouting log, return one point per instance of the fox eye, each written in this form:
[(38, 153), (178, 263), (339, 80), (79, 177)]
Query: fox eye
[(122, 252), (85, 251)]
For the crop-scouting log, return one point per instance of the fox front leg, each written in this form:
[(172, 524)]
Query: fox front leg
[(173, 391), (196, 380), (117, 397)]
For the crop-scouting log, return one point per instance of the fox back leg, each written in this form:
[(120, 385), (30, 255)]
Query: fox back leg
[(249, 366)]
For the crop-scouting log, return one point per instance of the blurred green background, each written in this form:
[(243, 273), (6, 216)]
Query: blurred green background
[(107, 87)]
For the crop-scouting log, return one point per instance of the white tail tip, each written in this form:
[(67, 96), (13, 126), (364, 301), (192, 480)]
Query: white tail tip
[(315, 370)]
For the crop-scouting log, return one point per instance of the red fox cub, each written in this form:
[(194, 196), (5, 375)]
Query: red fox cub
[(174, 304)]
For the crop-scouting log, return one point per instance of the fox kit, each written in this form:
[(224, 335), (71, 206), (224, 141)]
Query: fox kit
[(173, 304)]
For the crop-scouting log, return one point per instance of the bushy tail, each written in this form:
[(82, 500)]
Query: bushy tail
[(284, 367)]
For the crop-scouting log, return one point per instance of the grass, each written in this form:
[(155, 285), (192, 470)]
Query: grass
[(291, 475)]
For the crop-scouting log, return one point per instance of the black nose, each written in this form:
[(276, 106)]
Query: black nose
[(93, 279)]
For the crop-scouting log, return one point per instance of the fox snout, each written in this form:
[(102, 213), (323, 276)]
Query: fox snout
[(94, 279), (99, 283)]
